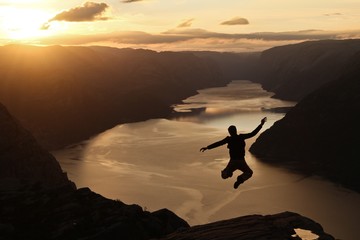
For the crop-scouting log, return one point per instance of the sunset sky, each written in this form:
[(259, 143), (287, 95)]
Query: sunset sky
[(227, 25)]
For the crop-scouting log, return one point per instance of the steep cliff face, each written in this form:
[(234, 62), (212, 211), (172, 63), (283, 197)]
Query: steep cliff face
[(293, 71), (321, 132), (67, 94), (22, 159)]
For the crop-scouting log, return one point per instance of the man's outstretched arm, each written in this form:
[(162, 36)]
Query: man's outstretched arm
[(256, 130), (214, 145)]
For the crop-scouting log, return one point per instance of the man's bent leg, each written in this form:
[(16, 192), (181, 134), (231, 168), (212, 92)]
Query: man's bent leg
[(247, 173), (228, 170)]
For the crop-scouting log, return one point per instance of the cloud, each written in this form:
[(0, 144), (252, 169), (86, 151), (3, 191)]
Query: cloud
[(130, 1), (45, 26), (186, 23), (333, 14), (236, 21), (90, 11)]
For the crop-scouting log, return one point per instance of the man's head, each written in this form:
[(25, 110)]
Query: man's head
[(232, 130)]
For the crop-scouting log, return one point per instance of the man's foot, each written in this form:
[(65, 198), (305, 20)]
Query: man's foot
[(226, 175), (238, 182)]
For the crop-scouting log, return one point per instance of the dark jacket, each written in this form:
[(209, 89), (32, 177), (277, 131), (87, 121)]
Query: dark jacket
[(236, 144)]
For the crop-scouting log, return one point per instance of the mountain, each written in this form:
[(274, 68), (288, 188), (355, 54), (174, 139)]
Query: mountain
[(293, 71), (234, 66), (63, 95), (320, 134)]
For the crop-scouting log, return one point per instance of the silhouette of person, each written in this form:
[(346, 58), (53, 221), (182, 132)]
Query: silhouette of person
[(236, 145)]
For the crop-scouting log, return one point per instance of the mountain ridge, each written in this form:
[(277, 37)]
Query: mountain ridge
[(293, 71), (319, 134), (64, 95)]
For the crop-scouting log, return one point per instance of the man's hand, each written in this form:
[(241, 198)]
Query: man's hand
[(203, 149), (263, 120)]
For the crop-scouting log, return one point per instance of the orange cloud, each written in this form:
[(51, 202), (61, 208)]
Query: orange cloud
[(186, 23), (90, 11), (130, 1), (236, 21)]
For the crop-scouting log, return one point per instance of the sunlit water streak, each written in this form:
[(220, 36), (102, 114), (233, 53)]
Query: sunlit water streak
[(157, 164)]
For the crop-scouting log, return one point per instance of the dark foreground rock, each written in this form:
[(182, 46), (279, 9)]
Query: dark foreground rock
[(33, 212), (63, 213), (277, 227)]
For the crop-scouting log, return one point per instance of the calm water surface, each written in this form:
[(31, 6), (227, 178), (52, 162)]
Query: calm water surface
[(157, 164)]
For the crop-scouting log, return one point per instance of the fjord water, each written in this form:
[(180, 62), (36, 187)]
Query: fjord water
[(157, 164)]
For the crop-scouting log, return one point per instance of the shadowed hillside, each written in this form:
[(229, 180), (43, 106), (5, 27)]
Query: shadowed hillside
[(22, 159), (67, 94), (320, 134), (293, 71)]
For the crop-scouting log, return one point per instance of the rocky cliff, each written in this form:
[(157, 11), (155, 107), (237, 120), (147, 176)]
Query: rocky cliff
[(293, 71), (82, 214), (64, 213), (320, 134), (22, 159), (67, 94), (271, 227)]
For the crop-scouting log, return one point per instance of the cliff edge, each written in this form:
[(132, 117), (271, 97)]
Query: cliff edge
[(281, 226)]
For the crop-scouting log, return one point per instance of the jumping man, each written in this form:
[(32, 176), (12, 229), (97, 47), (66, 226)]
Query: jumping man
[(236, 145)]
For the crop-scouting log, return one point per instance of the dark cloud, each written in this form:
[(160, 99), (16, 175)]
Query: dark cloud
[(90, 11), (236, 21), (186, 23)]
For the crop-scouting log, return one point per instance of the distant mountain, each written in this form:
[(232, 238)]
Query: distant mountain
[(67, 94), (234, 66), (294, 71), (320, 135)]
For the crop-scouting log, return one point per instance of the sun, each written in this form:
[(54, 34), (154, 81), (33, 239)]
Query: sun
[(22, 24)]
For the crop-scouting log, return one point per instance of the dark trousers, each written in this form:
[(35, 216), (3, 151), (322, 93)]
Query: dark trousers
[(237, 164)]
